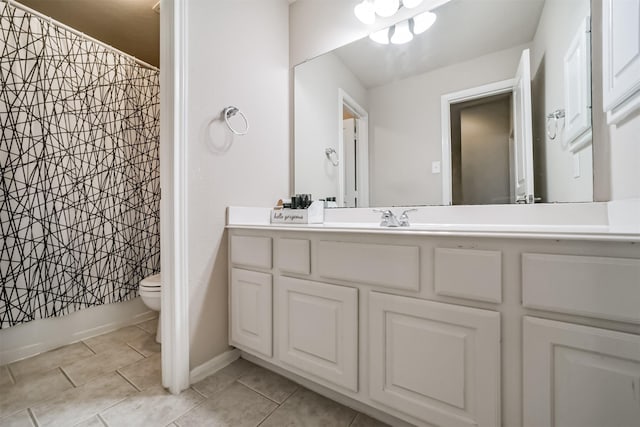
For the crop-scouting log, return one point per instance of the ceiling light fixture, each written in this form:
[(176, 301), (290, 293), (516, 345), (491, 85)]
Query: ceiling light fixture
[(381, 36), (367, 10), (410, 4), (423, 22), (404, 31), (386, 8)]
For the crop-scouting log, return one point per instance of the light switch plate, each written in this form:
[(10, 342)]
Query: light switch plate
[(576, 165), (435, 167)]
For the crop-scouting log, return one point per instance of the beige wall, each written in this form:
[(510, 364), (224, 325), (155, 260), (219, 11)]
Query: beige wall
[(316, 121), (131, 26), (237, 55)]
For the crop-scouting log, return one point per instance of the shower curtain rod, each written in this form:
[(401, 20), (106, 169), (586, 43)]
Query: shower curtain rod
[(78, 33)]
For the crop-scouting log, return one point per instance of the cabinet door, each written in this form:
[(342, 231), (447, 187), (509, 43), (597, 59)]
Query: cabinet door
[(251, 309), (578, 376), (621, 55), (437, 362), (318, 331)]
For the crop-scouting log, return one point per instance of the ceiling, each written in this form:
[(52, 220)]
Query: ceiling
[(465, 29), (129, 25)]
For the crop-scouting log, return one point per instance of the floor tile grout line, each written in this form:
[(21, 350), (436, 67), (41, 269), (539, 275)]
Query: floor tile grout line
[(175, 420), (87, 345), (268, 415), (354, 418), (259, 393), (73, 383), (264, 395), (280, 405), (124, 377), (143, 329), (12, 377), (136, 350), (102, 420), (31, 414), (198, 392)]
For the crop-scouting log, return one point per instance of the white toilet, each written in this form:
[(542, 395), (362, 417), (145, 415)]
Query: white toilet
[(151, 291)]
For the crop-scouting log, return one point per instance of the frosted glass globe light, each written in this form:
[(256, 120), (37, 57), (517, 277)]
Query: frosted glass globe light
[(381, 36), (386, 8), (402, 34), (365, 12), (423, 22), (410, 4)]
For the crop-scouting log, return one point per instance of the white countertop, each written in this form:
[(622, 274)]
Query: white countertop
[(583, 221)]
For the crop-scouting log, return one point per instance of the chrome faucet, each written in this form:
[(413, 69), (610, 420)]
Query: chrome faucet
[(404, 218), (389, 219)]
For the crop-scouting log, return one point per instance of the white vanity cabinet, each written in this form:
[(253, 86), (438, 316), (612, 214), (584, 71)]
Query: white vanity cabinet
[(251, 294), (445, 330), (437, 362), (580, 376), (318, 330), (251, 310)]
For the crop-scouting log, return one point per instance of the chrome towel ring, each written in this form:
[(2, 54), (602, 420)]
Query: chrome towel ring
[(332, 156), (231, 111), (552, 119)]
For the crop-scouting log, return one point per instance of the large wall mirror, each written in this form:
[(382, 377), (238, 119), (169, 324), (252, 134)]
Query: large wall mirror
[(490, 105)]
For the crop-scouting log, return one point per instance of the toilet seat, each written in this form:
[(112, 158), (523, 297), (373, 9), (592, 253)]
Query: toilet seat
[(151, 282)]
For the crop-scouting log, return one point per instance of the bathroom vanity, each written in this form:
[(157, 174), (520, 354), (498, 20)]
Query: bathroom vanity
[(448, 325)]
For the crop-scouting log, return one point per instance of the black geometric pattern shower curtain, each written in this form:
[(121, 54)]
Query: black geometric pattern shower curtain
[(79, 164)]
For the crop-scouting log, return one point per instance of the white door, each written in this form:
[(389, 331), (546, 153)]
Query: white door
[(522, 160), (579, 376), (318, 330), (621, 54), (350, 163), (437, 362), (251, 302)]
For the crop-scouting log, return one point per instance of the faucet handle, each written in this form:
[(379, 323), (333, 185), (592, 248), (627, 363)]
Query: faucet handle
[(383, 211), (404, 217), (388, 218)]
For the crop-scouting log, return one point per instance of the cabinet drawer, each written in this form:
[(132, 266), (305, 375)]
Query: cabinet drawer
[(251, 311), (294, 256), (318, 331), (437, 362), (607, 288), (251, 251), (577, 375), (470, 274), (390, 266)]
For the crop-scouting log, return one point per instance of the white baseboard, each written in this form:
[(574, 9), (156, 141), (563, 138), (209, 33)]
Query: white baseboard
[(30, 339), (214, 365)]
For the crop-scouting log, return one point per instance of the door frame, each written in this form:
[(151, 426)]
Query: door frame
[(363, 151), (497, 88), (174, 312)]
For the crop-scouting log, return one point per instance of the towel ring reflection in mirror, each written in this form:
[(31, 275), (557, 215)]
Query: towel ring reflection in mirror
[(332, 156), (231, 111), (552, 119)]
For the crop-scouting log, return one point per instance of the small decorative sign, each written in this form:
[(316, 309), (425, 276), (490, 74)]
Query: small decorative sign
[(314, 214)]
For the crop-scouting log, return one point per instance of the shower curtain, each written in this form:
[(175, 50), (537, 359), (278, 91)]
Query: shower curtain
[(79, 165)]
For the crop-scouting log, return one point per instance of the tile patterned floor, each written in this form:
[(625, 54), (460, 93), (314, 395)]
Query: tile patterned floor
[(114, 380)]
